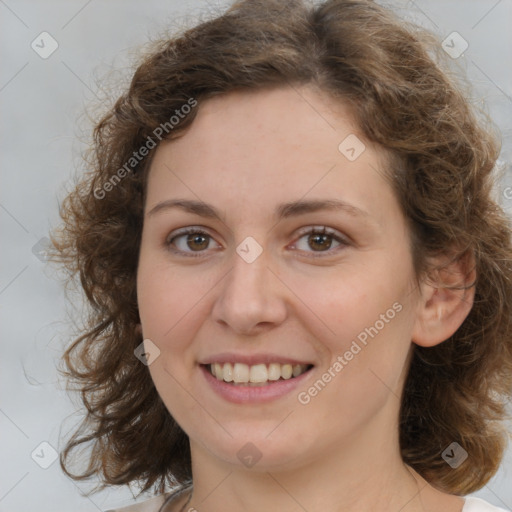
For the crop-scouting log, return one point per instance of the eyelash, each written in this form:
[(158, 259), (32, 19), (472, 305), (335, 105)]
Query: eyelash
[(306, 231)]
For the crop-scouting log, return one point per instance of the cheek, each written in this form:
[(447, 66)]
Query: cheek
[(365, 371), (359, 303), (168, 298), (367, 322), (169, 307)]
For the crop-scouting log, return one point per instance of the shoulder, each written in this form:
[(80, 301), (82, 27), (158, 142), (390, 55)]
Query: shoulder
[(151, 505), (479, 505), (154, 504)]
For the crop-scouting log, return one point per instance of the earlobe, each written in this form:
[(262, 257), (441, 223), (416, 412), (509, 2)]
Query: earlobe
[(446, 300)]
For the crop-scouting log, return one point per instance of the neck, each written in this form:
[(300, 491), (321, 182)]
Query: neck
[(365, 472)]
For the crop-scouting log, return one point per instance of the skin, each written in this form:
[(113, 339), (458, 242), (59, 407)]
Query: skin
[(245, 153)]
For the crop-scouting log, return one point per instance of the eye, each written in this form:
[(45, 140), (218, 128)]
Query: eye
[(192, 240), (189, 241), (320, 239)]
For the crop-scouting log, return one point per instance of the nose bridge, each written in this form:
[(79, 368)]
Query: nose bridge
[(249, 262), (248, 295), (248, 280)]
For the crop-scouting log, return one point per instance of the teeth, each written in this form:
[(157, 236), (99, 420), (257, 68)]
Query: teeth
[(217, 371), (227, 372), (241, 373), (258, 373), (286, 371), (274, 371), (296, 370)]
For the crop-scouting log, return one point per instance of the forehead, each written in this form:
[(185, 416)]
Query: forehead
[(270, 146), (285, 120)]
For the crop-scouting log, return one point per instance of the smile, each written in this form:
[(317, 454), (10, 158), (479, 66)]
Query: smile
[(257, 374)]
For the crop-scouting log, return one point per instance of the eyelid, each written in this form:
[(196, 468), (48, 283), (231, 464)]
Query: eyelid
[(315, 228)]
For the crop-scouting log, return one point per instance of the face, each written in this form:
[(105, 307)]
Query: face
[(271, 245)]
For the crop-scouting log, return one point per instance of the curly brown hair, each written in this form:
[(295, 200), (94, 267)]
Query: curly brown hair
[(443, 157)]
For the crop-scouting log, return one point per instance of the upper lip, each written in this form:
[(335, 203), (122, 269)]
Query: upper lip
[(252, 359)]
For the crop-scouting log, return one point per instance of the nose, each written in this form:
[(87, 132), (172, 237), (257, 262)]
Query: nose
[(250, 298)]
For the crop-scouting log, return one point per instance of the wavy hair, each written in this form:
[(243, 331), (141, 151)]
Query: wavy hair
[(387, 71)]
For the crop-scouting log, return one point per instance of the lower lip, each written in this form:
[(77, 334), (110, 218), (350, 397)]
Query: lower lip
[(240, 394)]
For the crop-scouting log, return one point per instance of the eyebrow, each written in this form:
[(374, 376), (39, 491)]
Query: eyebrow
[(282, 211)]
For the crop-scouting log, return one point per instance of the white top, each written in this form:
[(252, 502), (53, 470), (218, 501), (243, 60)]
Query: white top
[(479, 505), (154, 504)]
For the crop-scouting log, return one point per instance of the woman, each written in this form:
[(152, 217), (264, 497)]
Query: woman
[(300, 283)]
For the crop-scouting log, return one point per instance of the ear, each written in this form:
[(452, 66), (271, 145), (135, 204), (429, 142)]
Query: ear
[(138, 329), (446, 299)]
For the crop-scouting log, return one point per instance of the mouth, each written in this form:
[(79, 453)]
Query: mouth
[(241, 374)]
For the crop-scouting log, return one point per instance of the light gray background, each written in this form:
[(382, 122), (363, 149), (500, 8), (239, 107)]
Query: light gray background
[(43, 103)]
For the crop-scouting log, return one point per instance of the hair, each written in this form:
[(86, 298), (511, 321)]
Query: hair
[(441, 169)]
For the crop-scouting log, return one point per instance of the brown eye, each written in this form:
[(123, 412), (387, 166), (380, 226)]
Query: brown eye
[(320, 240), (197, 242), (189, 241)]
